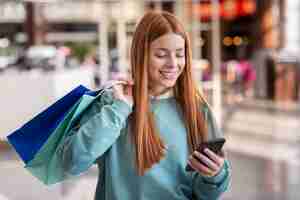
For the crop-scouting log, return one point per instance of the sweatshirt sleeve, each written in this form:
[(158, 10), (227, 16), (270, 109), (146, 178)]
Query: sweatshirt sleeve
[(96, 132), (211, 188)]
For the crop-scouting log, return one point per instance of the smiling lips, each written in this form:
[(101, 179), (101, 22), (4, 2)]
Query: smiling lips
[(169, 74)]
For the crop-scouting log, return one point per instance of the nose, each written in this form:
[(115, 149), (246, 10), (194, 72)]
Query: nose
[(172, 61)]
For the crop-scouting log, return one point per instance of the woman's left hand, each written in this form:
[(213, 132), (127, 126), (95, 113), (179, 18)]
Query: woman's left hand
[(210, 164)]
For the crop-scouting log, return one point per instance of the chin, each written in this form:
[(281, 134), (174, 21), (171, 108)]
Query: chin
[(168, 83)]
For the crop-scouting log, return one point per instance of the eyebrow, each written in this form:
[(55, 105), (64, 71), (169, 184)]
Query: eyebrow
[(165, 49)]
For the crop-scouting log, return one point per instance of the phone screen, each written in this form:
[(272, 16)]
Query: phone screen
[(214, 145)]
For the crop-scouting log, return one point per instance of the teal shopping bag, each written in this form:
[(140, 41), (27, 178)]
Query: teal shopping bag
[(45, 165)]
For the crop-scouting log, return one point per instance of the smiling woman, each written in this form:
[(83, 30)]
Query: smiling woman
[(144, 132), (167, 61)]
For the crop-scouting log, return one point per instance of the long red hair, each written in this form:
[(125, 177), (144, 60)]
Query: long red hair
[(149, 147)]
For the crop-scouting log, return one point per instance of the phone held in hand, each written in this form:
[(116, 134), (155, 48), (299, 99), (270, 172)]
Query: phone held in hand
[(214, 145)]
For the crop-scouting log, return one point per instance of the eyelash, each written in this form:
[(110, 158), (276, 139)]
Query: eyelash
[(162, 56)]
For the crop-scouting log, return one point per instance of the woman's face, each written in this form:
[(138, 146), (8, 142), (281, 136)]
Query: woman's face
[(167, 61)]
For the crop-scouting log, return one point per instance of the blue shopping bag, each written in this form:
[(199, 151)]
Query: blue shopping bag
[(46, 165), (29, 139)]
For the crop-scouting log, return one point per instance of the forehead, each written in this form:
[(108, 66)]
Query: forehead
[(171, 41)]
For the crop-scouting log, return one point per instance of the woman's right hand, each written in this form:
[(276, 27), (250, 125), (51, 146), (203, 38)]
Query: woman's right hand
[(122, 90)]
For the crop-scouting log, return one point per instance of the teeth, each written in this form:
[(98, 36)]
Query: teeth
[(168, 72), (169, 75)]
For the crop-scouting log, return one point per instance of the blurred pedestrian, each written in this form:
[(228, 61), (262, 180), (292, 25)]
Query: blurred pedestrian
[(144, 132), (233, 76), (248, 77)]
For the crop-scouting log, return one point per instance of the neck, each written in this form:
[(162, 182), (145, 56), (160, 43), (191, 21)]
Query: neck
[(167, 92), (159, 92)]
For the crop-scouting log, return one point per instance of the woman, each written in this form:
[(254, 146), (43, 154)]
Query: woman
[(142, 135)]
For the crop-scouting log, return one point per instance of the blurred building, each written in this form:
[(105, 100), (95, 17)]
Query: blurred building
[(264, 32), (276, 58), (252, 29)]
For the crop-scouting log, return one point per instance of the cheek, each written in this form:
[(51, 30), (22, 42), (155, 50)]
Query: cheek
[(155, 65), (153, 71)]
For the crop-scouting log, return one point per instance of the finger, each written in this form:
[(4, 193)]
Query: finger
[(217, 159), (211, 164), (112, 83), (196, 165), (128, 90), (130, 82), (117, 90), (125, 79), (127, 85), (120, 82)]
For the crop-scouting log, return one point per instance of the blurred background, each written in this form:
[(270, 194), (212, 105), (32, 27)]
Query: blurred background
[(245, 60)]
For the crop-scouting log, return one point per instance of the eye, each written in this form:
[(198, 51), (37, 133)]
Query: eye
[(161, 55), (180, 55)]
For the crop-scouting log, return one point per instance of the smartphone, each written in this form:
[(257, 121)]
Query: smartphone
[(214, 145)]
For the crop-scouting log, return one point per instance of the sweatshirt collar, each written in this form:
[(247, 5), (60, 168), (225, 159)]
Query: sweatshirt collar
[(166, 95)]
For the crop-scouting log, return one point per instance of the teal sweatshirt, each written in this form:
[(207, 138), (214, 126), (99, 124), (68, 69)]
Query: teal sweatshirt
[(103, 137)]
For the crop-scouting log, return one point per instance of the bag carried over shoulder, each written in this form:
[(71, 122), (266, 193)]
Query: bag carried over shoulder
[(37, 141)]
